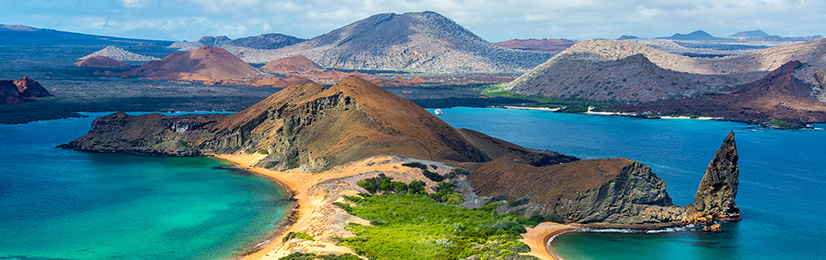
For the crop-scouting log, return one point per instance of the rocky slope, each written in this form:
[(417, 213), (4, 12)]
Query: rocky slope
[(9, 95), (292, 65), (417, 42), (202, 64), (593, 68), (265, 41), (718, 189), (100, 62), (119, 54), (548, 45), (305, 126), (603, 192), (777, 96)]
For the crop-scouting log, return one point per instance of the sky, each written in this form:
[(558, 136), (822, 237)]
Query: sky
[(492, 20)]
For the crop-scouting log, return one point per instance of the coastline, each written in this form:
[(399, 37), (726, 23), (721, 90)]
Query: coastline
[(605, 113), (538, 237)]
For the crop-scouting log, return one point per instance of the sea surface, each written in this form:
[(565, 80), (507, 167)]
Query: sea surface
[(62, 204), (782, 192)]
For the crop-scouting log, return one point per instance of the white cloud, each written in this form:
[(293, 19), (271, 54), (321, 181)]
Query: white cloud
[(137, 3)]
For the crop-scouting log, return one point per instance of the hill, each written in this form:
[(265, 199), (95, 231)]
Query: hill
[(548, 45), (416, 42), (292, 65), (698, 35), (266, 41), (119, 54), (306, 125), (750, 34), (20, 35), (202, 64), (777, 96), (100, 62), (18, 91)]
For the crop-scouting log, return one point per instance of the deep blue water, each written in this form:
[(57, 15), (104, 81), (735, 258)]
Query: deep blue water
[(61, 204), (782, 190)]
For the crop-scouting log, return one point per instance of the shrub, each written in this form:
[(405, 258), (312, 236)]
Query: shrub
[(519, 202), (311, 256), (263, 151), (433, 176), (415, 165), (416, 187), (298, 235)]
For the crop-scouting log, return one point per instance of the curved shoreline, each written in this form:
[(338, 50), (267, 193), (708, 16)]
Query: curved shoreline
[(538, 237)]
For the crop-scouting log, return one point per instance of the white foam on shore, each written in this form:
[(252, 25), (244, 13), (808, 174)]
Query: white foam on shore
[(641, 231)]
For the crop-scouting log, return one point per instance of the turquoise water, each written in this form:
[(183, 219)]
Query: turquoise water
[(61, 204), (782, 190)]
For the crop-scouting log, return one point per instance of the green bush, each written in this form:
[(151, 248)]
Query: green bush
[(519, 202), (311, 256), (298, 235), (263, 151), (415, 165), (433, 176)]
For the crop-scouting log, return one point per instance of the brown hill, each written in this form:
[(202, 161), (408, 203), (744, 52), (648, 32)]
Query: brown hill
[(202, 64), (306, 125), (30, 88), (291, 65), (100, 62), (602, 192), (777, 96), (548, 45), (9, 95)]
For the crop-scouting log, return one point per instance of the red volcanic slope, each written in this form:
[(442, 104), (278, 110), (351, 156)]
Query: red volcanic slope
[(294, 64), (548, 45), (100, 62), (29, 88), (202, 64), (9, 95)]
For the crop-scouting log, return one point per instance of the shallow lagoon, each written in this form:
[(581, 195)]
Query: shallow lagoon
[(61, 204)]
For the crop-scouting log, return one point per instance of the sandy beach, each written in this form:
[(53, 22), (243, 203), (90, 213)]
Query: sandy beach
[(537, 238)]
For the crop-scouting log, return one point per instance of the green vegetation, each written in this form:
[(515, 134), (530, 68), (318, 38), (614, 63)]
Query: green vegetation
[(574, 109), (311, 256), (292, 164), (413, 226), (263, 151), (298, 235), (415, 165), (782, 124), (385, 184), (433, 176), (692, 116), (519, 202)]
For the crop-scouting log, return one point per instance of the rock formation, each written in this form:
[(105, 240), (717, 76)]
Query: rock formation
[(119, 54), (777, 96), (202, 64), (266, 41), (100, 62), (548, 45), (29, 88), (9, 95), (292, 65), (603, 193), (415, 42), (306, 126), (714, 200)]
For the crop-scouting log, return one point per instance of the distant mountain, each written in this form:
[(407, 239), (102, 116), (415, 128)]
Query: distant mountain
[(549, 45), (750, 34), (291, 65), (119, 54), (698, 35), (20, 35), (777, 96), (202, 64), (266, 41), (417, 42), (627, 37), (617, 71), (100, 62)]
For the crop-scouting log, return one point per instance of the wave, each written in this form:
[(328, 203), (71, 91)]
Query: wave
[(641, 231)]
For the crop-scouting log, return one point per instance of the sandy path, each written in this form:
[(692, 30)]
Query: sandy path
[(537, 237)]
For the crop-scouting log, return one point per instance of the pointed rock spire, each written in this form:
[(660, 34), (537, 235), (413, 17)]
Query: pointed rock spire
[(714, 200)]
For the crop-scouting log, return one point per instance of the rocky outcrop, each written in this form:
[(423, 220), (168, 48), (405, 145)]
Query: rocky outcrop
[(119, 54), (307, 126), (30, 88), (202, 64), (714, 200), (601, 193), (100, 62), (9, 95)]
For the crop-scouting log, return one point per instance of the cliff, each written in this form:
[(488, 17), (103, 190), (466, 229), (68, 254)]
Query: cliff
[(306, 126), (600, 193), (718, 188)]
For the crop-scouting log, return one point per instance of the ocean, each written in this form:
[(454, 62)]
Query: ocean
[(63, 204), (781, 196)]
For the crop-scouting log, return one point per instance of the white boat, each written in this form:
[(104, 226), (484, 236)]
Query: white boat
[(437, 111)]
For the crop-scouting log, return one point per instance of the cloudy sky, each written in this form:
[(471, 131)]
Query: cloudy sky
[(492, 20)]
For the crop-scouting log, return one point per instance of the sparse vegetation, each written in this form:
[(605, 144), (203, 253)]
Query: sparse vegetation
[(298, 235), (415, 165), (311, 256)]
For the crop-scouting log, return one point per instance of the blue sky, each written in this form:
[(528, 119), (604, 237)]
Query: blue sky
[(492, 20)]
